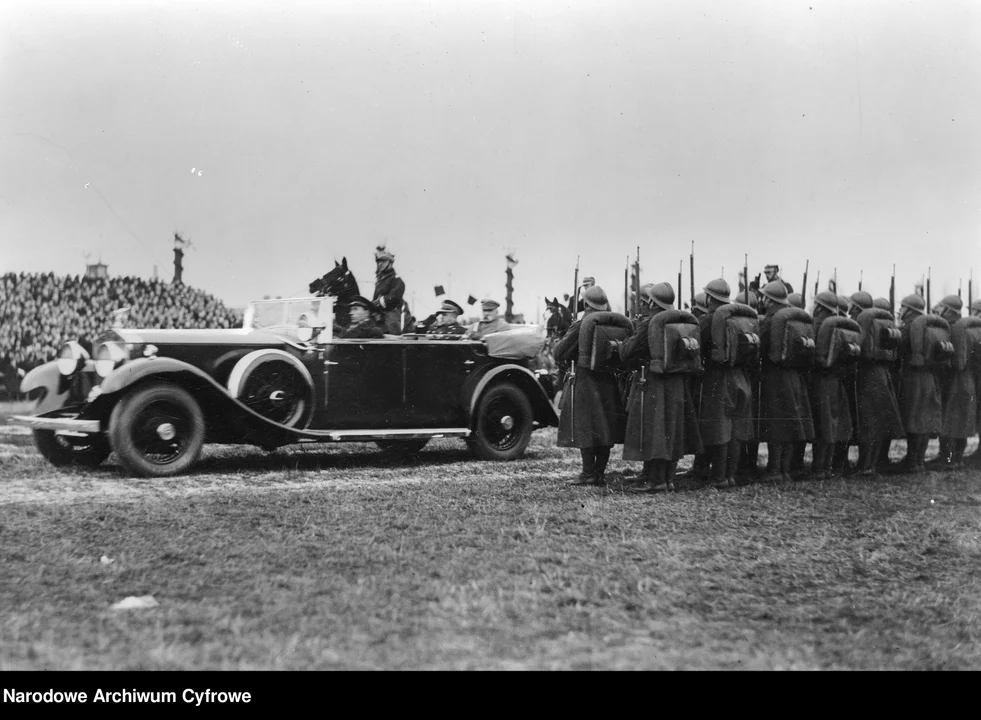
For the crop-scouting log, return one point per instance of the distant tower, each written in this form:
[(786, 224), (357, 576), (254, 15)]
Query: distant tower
[(179, 243), (97, 270)]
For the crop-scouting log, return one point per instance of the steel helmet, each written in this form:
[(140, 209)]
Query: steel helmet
[(828, 300), (914, 303), (882, 304), (595, 297), (976, 307), (796, 300), (952, 303), (862, 299), (700, 303), (660, 294), (776, 291), (718, 289)]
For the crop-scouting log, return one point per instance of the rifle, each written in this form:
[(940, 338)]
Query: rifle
[(575, 292), (860, 280), (637, 287), (803, 291), (817, 280), (746, 274), (681, 264), (892, 291), (970, 291), (691, 272), (626, 283), (929, 307)]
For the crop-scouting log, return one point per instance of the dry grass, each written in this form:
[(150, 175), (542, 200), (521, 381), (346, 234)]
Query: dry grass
[(336, 557)]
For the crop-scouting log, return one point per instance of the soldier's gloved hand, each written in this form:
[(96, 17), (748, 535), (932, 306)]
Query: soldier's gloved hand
[(381, 302)]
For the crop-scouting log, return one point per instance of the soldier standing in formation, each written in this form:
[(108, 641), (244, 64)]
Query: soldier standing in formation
[(661, 423), (592, 416), (829, 399), (957, 387), (920, 398)]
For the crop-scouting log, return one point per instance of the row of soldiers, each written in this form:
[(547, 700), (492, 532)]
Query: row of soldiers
[(736, 372)]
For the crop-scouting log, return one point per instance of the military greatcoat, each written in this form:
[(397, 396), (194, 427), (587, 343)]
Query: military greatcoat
[(661, 420), (878, 409), (725, 397), (389, 290), (960, 403), (829, 403), (920, 399), (363, 330), (591, 413), (785, 409)]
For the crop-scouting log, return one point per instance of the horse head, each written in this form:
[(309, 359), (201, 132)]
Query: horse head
[(559, 317), (339, 282)]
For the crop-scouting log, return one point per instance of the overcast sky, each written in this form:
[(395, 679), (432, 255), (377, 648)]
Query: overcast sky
[(280, 136)]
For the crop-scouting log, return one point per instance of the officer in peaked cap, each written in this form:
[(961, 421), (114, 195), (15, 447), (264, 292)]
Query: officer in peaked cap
[(362, 325), (661, 422), (725, 402), (490, 320), (592, 416), (784, 407), (446, 320), (958, 394), (919, 395)]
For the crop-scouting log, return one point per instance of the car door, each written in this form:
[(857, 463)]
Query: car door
[(435, 373), (364, 385)]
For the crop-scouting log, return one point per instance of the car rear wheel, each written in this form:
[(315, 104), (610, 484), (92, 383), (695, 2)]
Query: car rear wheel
[(503, 425), (402, 448), (157, 430), (68, 450)]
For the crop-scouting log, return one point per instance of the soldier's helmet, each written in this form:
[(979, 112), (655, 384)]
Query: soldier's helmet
[(976, 307), (843, 305), (660, 294), (913, 303), (828, 300), (796, 300), (882, 304), (861, 299), (776, 292), (595, 297), (719, 290), (700, 305), (953, 304)]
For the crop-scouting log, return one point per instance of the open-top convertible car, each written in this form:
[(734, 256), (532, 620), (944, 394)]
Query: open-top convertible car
[(156, 396)]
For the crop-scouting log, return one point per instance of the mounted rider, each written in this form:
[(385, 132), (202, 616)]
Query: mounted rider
[(389, 291)]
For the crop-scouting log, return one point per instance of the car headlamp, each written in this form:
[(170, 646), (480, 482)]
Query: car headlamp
[(71, 358), (108, 357)]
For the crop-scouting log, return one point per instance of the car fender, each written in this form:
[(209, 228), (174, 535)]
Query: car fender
[(237, 420), (48, 377), (545, 412)]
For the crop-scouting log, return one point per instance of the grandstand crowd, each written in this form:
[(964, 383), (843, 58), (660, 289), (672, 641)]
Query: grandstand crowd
[(39, 311)]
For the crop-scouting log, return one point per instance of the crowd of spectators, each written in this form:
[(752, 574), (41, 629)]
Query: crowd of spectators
[(39, 312)]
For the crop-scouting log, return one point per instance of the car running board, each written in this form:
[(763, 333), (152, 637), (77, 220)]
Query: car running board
[(369, 435)]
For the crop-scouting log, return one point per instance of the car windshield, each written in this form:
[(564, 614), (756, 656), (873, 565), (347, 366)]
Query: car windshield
[(286, 313)]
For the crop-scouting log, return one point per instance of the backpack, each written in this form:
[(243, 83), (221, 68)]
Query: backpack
[(736, 336), (838, 342), (792, 338), (596, 334), (880, 336), (673, 339), (966, 337), (930, 344)]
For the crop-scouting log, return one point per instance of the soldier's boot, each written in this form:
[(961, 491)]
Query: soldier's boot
[(649, 478), (602, 459), (800, 448), (672, 468), (588, 474), (865, 455), (701, 467), (839, 459), (957, 458), (774, 463), (733, 454), (717, 456), (749, 458), (787, 462), (817, 460), (921, 451)]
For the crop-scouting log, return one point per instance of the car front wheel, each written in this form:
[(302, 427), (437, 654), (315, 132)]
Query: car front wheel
[(503, 424), (157, 430), (64, 451)]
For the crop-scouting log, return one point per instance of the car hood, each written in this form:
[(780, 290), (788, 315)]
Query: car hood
[(236, 336)]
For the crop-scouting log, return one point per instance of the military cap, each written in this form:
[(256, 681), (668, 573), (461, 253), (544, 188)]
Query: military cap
[(914, 303), (882, 304), (382, 254), (828, 300), (589, 279), (776, 291), (361, 301), (660, 294), (488, 304), (449, 306), (796, 300), (774, 268), (718, 289), (595, 297), (953, 303)]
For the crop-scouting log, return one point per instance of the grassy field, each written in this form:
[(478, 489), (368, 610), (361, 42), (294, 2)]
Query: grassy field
[(338, 557)]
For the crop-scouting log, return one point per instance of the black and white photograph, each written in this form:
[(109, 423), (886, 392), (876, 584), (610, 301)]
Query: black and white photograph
[(468, 335)]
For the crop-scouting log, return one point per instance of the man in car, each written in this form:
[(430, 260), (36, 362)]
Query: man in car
[(447, 320), (362, 325), (490, 321)]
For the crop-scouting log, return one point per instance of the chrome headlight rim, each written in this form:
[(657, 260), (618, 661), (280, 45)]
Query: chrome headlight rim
[(71, 358), (108, 357)]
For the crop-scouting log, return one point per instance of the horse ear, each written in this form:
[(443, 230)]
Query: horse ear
[(336, 264), (344, 262)]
